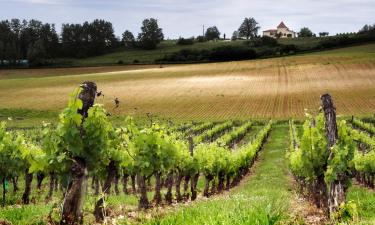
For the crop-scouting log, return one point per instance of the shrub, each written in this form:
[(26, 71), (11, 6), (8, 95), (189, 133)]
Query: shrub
[(288, 49), (225, 53), (201, 39), (262, 41), (345, 39), (187, 41)]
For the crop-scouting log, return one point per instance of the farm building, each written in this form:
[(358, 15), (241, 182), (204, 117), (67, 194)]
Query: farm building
[(282, 31)]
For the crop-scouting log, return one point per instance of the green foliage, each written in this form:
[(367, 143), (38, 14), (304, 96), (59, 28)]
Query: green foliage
[(347, 212), (202, 127), (229, 137), (128, 39), (212, 159), (343, 154), (212, 33), (151, 34), (154, 151), (209, 134), (263, 199), (368, 127), (249, 28), (305, 32), (313, 158), (75, 41), (310, 159), (12, 148), (185, 41)]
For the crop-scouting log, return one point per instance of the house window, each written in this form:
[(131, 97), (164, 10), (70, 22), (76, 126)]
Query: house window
[(284, 34)]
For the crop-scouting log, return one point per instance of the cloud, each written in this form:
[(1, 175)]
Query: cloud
[(39, 2), (186, 17)]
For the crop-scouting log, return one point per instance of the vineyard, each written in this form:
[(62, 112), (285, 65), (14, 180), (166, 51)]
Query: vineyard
[(248, 142), (89, 170)]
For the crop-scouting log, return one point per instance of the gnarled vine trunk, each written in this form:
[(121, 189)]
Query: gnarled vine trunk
[(169, 185), (125, 183), (134, 189), (213, 186), (39, 177), (74, 198), (97, 186), (158, 185), (4, 191), (179, 178), (117, 177), (15, 184), (93, 183), (51, 185), (143, 200), (206, 191), (99, 210), (193, 186), (26, 193), (186, 186), (220, 185), (227, 185)]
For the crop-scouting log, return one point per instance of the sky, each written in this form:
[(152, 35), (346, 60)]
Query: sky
[(186, 18)]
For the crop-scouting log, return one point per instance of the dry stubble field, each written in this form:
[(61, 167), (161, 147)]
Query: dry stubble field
[(278, 88)]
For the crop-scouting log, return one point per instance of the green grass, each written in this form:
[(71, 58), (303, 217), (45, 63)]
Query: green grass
[(27, 118), (145, 56), (365, 201), (262, 198), (128, 56)]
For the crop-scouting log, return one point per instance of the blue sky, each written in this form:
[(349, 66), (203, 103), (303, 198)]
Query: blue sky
[(186, 17)]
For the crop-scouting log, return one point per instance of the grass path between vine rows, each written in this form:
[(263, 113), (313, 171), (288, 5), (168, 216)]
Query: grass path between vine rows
[(262, 198)]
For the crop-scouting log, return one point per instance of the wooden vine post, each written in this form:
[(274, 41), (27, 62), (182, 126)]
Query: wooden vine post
[(74, 198), (336, 192)]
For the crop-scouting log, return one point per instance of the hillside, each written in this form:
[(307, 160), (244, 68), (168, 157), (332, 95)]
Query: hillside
[(279, 87), (129, 56)]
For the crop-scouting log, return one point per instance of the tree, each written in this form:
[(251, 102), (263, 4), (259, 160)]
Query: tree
[(305, 32), (235, 35), (101, 36), (37, 54), (248, 28), (212, 33), (128, 39), (151, 34), (87, 39), (367, 29), (323, 34)]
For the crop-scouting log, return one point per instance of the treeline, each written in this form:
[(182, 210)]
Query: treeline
[(257, 47), (39, 42), (30, 40), (263, 47)]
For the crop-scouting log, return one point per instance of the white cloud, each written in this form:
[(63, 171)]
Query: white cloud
[(186, 17)]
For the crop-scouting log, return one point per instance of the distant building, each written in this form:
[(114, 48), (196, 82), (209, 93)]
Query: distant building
[(282, 31)]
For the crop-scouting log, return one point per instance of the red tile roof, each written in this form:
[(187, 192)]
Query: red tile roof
[(282, 25), (271, 30)]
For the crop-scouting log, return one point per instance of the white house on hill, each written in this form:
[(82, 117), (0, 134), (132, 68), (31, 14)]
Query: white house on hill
[(282, 31)]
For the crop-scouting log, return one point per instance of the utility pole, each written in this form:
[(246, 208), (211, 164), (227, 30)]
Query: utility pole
[(203, 30)]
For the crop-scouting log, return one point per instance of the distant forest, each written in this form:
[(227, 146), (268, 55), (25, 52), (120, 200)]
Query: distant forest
[(39, 43)]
